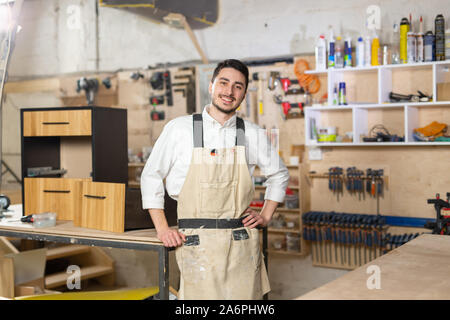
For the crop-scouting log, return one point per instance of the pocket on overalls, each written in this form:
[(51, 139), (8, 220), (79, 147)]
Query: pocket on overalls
[(218, 198), (249, 243)]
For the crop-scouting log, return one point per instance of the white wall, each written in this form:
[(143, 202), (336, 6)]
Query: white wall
[(51, 41)]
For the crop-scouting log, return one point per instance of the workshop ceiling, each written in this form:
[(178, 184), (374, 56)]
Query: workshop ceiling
[(199, 13)]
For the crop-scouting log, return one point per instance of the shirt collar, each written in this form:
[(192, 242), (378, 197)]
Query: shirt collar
[(230, 123)]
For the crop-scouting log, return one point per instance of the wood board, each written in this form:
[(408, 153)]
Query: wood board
[(417, 270)]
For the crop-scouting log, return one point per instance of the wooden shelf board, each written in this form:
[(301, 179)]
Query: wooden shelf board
[(60, 279)]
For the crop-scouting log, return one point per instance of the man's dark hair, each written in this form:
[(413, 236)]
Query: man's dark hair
[(235, 64)]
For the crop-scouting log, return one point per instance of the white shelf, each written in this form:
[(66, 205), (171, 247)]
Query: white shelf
[(361, 112), (374, 68)]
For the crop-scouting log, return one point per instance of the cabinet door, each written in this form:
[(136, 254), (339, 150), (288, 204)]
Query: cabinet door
[(103, 206), (58, 195), (57, 123)]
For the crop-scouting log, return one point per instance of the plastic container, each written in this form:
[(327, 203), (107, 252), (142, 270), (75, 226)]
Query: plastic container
[(367, 51), (291, 201), (331, 50), (44, 220), (321, 53), (360, 52), (411, 47), (292, 242), (339, 53), (375, 51), (395, 54)]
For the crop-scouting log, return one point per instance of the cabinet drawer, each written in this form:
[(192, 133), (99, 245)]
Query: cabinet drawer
[(57, 123), (103, 206), (58, 195)]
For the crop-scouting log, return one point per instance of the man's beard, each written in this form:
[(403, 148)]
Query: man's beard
[(225, 110)]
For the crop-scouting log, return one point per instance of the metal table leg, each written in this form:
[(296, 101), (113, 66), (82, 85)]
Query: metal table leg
[(163, 273)]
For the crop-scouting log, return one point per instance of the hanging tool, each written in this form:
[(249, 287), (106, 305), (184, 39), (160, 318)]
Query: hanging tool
[(168, 86), (157, 80), (260, 77), (273, 80)]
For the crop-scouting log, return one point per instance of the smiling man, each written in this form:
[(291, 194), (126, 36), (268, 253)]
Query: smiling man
[(207, 161)]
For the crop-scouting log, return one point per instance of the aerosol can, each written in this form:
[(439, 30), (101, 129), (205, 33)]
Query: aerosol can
[(404, 29)]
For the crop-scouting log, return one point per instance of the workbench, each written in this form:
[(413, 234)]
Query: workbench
[(416, 270), (65, 232)]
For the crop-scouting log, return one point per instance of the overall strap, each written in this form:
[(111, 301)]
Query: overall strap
[(240, 132), (198, 131)]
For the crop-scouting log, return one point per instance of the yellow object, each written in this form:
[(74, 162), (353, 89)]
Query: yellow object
[(433, 129), (404, 29), (133, 294), (375, 51), (261, 110)]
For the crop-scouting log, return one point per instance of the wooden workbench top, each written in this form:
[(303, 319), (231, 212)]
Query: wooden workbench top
[(419, 269), (66, 228)]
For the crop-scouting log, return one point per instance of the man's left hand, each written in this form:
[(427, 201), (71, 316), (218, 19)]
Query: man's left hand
[(253, 219)]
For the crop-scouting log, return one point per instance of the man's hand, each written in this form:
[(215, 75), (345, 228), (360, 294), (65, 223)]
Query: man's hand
[(171, 237), (254, 219)]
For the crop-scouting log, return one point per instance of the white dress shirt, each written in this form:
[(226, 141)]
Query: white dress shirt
[(171, 157)]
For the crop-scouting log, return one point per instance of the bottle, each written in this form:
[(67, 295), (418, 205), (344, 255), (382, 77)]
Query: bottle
[(335, 96), (395, 54), (420, 43), (321, 53), (348, 52), (404, 29), (339, 53), (447, 44), (367, 50), (331, 51), (411, 47), (439, 27), (360, 52), (375, 51), (429, 47), (342, 98)]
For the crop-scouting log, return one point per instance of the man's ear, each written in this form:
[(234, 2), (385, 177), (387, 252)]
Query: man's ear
[(210, 87)]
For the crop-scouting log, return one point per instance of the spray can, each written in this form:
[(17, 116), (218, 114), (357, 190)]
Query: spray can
[(342, 99), (429, 47), (439, 31), (395, 54), (360, 52), (411, 47), (367, 51), (348, 52), (321, 53), (386, 55), (447, 44), (331, 53), (375, 61), (404, 29), (420, 43)]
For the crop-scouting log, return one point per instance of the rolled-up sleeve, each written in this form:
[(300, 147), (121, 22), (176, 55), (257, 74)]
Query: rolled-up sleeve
[(157, 168), (272, 167)]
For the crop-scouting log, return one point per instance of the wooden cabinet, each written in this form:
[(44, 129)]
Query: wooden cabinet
[(53, 194), (83, 146), (286, 237), (57, 123), (102, 206)]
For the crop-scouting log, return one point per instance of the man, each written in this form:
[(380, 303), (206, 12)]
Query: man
[(207, 161)]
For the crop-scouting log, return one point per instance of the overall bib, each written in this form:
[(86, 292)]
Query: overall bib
[(221, 259)]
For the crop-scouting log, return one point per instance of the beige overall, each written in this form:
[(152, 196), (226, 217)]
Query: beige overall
[(219, 262)]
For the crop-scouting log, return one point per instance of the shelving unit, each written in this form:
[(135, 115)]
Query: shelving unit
[(297, 184), (369, 104)]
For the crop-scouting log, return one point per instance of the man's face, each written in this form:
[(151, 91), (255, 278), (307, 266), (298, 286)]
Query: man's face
[(228, 90)]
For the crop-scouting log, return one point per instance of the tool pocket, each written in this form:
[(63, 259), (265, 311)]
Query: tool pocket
[(217, 198), (247, 242), (192, 240), (240, 234)]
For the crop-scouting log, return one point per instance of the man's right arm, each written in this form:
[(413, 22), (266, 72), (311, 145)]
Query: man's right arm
[(170, 237), (155, 171)]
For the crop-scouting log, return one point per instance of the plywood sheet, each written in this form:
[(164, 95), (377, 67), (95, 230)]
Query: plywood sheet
[(417, 270)]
